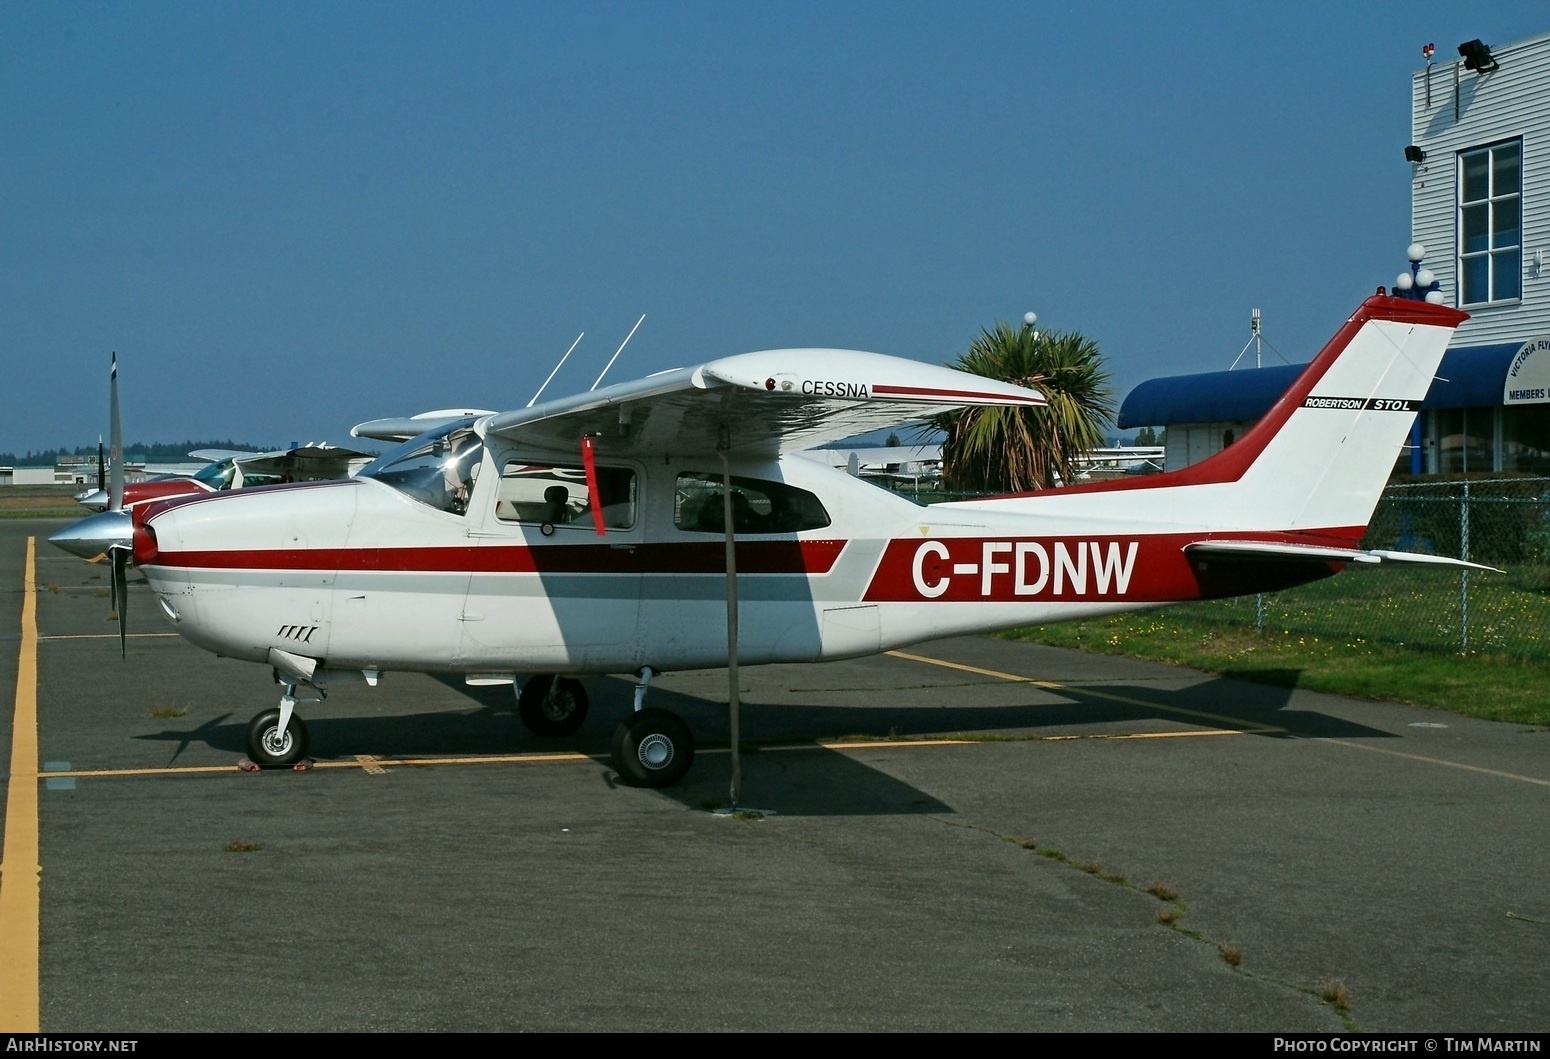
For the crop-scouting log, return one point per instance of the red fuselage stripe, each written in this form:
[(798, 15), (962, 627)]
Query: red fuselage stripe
[(753, 557)]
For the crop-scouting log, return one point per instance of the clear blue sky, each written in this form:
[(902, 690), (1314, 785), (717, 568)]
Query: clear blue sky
[(288, 218)]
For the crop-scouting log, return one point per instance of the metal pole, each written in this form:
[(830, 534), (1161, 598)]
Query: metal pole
[(732, 701), (1464, 574)]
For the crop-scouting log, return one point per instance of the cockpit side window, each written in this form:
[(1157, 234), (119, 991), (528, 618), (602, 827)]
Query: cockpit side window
[(556, 496), (758, 506)]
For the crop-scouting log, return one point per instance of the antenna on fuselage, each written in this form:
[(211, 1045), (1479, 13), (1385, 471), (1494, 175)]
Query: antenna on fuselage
[(557, 368), (620, 349)]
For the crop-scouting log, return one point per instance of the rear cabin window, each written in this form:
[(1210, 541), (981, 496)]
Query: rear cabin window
[(757, 506), (557, 496)]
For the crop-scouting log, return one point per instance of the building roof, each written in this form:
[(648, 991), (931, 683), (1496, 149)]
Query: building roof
[(1469, 377)]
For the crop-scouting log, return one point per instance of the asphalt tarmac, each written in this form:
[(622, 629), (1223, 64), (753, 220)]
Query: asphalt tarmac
[(970, 835)]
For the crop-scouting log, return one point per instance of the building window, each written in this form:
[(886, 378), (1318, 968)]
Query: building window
[(1491, 224)]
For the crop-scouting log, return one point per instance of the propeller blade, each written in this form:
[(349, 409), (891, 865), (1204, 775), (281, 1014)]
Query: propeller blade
[(120, 564), (116, 440), (102, 468)]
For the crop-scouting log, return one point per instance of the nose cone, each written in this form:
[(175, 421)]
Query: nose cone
[(96, 534), (96, 499)]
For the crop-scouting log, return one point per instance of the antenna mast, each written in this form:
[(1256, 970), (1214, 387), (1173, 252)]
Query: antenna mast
[(1258, 341), (620, 349), (557, 367)]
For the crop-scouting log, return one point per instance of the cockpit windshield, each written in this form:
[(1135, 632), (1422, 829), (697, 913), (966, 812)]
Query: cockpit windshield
[(217, 475), (437, 468)]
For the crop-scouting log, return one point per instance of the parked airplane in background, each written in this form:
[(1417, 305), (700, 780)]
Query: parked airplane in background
[(665, 524), (313, 462)]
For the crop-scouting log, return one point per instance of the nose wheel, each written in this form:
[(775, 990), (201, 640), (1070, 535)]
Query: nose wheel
[(271, 746)]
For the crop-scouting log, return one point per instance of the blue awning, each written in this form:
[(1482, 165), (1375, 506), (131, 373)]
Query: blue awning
[(1470, 377)]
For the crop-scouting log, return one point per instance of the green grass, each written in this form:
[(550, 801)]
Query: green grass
[(40, 501), (1493, 687)]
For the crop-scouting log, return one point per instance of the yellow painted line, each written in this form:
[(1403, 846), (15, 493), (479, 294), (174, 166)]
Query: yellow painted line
[(973, 669), (1050, 685), (1196, 713), (1440, 761), (840, 745), (363, 761), (20, 868), (490, 759), (107, 636)]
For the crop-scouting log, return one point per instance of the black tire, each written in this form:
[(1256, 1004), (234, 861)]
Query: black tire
[(552, 706), (653, 748), (262, 747)]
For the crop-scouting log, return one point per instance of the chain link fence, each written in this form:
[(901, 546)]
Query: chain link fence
[(1500, 522)]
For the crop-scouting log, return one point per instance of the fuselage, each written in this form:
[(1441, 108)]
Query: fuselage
[(482, 548), (361, 574)]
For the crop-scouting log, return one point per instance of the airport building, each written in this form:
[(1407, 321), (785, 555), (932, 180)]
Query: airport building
[(1479, 161)]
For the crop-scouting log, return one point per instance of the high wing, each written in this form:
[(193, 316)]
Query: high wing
[(404, 428), (1252, 549), (759, 404)]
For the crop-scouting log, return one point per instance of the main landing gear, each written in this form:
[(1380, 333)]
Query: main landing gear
[(552, 706), (277, 737), (651, 748)]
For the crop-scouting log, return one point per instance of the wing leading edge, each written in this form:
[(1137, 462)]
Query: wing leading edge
[(762, 403)]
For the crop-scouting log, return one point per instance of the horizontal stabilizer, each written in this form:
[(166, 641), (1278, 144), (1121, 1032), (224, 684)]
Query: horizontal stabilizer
[(1422, 559), (1323, 554)]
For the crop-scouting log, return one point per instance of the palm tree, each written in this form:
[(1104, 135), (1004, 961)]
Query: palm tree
[(1016, 449)]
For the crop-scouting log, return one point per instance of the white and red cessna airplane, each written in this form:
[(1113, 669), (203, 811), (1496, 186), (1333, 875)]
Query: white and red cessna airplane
[(664, 524)]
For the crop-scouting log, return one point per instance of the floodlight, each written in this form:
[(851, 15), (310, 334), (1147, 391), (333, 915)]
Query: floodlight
[(1477, 57)]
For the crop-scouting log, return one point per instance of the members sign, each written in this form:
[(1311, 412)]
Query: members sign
[(1528, 376)]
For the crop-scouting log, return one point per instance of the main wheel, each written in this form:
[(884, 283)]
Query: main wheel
[(269, 749), (653, 748), (552, 706)]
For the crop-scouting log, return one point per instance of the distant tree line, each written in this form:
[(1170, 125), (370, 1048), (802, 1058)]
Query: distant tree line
[(139, 452)]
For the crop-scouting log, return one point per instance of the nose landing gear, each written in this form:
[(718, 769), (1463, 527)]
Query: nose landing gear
[(277, 737)]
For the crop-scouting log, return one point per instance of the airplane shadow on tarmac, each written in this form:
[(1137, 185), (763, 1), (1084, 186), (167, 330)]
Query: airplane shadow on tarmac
[(816, 781)]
